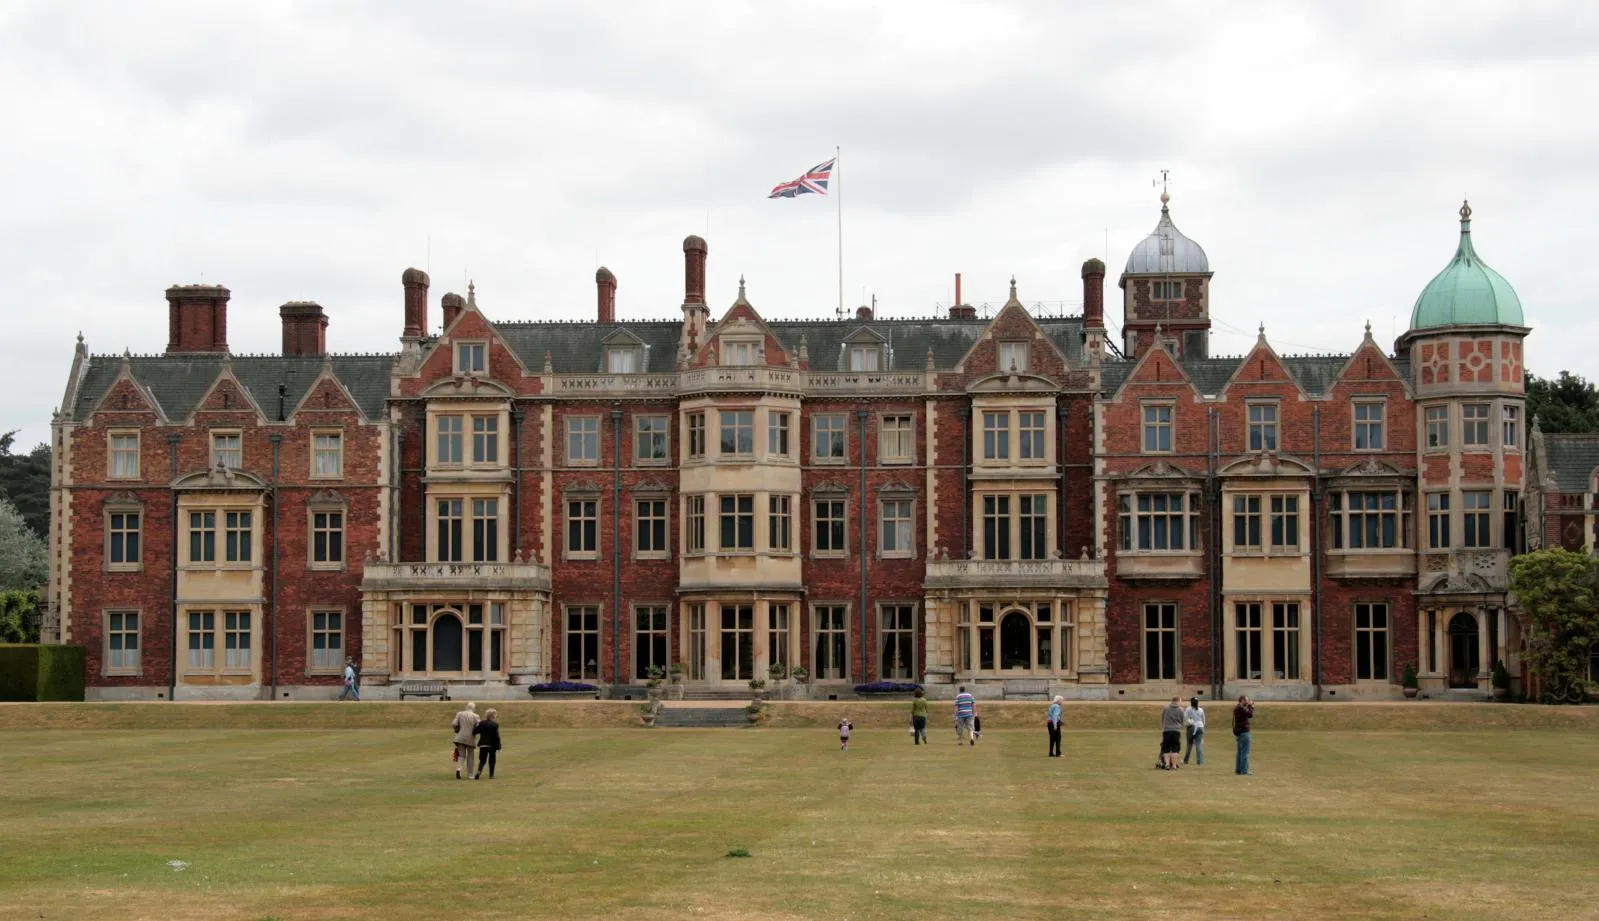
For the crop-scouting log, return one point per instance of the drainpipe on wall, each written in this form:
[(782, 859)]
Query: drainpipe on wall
[(272, 614), (860, 418), (616, 547), (1315, 541), (172, 685), (396, 475), (1218, 663), (1064, 414)]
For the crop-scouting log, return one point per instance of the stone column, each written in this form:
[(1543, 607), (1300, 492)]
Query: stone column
[(1485, 662)]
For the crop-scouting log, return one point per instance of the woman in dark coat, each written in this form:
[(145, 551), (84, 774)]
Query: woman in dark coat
[(488, 743)]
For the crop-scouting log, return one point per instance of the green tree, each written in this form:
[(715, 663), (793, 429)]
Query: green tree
[(25, 480), (1567, 403), (18, 617), (1559, 591), (24, 561)]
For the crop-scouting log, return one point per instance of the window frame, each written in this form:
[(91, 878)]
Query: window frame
[(449, 439), (1157, 426), (471, 356), (627, 354), (694, 524), (1437, 510), (1345, 520), (1165, 290), (112, 510), (107, 631), (591, 516), (1435, 428), (1510, 426), (996, 438), (641, 521), (779, 432), (694, 444), (567, 633), (1131, 513), (1365, 427), (779, 508), (861, 355), (1365, 639), (1475, 419), (112, 452), (1038, 435), (238, 528), (1275, 512), (1017, 348), (902, 427), (312, 510), (312, 632), (1279, 642), (743, 422), (449, 541), (840, 636), (318, 452), (1476, 520), (577, 436), (842, 526), (732, 518), (216, 454), (1265, 428), (729, 348), (840, 437), (487, 447), (905, 636), (905, 525), (661, 634), (642, 438), (1162, 630)]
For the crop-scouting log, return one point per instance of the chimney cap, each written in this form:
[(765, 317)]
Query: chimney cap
[(452, 300), (414, 277), (300, 309), (603, 274), (198, 291), (1093, 267), (695, 244)]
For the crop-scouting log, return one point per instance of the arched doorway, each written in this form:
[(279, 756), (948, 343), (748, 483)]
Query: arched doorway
[(1015, 641), (447, 643), (1465, 658)]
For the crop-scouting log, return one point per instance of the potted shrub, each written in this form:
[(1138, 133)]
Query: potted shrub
[(1409, 683), (757, 688), (1500, 680), (675, 672), (752, 712), (801, 674), (647, 714), (653, 683), (778, 671)]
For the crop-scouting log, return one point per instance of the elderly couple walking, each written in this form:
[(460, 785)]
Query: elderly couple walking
[(479, 736)]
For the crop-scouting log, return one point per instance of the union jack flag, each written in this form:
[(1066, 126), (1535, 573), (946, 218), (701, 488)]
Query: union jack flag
[(814, 181)]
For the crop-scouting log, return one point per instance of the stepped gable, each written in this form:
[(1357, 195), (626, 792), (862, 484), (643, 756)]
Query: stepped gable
[(179, 382)]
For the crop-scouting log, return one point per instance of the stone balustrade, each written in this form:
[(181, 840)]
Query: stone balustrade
[(1015, 574)]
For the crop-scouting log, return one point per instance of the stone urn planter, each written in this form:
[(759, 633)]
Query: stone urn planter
[(1411, 686), (675, 688), (753, 711)]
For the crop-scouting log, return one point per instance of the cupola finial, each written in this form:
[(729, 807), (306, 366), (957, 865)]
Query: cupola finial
[(1465, 211)]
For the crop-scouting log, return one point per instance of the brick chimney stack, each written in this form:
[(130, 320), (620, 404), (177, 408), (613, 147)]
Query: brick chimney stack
[(305, 328), (1094, 294), (606, 283), (453, 304), (416, 303), (197, 318), (694, 253)]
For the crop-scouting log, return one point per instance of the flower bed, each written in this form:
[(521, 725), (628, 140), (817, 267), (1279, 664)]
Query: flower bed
[(888, 687), (564, 690)]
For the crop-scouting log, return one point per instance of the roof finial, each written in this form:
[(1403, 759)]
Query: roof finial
[(471, 294), (1465, 210), (1013, 286), (1368, 330), (741, 286), (1262, 333), (1165, 196)]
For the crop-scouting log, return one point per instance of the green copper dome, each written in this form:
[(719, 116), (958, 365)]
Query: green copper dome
[(1466, 291)]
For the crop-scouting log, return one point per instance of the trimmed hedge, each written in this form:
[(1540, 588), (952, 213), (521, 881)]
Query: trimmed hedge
[(32, 671)]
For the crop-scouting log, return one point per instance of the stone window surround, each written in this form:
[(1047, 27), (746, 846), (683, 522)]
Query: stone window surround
[(111, 436), (122, 504), (337, 668), (327, 502), (123, 671)]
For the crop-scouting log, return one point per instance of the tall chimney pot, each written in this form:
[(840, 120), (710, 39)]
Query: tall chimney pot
[(197, 318), (605, 283), (1094, 294), (452, 305), (416, 303), (305, 328), (694, 253)]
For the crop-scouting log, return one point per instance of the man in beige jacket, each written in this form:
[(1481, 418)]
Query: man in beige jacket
[(465, 741)]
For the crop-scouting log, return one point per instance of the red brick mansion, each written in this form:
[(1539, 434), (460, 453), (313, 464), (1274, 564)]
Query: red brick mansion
[(1007, 502)]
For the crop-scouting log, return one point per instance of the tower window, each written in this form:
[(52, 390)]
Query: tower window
[(1166, 291)]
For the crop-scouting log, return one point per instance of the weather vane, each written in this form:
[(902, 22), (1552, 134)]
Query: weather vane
[(1165, 177)]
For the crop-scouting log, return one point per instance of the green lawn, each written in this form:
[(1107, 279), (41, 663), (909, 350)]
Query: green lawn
[(628, 824)]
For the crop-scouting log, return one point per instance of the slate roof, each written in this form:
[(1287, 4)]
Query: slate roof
[(179, 382), (576, 348), (1315, 373), (1571, 458)]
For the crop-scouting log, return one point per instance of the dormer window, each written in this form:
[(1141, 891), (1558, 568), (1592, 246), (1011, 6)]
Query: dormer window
[(1166, 291), (1012, 356), (471, 357), (735, 352), (865, 358), (622, 360)]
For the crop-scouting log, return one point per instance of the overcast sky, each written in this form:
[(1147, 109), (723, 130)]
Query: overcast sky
[(1318, 151)]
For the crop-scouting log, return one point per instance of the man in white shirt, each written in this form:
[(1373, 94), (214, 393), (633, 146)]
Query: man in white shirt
[(1194, 719), (350, 688)]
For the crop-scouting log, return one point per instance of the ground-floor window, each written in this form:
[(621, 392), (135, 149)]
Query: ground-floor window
[(650, 640), (448, 638), (327, 641), (122, 642), (897, 641), (582, 642), (208, 630), (1160, 642), (1267, 650), (777, 635), (696, 642), (1016, 636), (832, 642), (738, 642), (1371, 642)]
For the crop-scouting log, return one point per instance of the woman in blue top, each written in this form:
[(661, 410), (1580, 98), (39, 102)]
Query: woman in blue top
[(1052, 721)]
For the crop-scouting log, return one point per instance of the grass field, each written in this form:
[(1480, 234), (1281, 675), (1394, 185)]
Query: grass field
[(620, 824)]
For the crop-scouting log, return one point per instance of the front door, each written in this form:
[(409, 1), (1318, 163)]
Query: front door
[(1465, 660)]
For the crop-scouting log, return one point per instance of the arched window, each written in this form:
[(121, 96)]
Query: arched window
[(450, 639), (1035, 636)]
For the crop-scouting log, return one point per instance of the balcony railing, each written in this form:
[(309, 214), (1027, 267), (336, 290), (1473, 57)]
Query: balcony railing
[(865, 382), (760, 378), (454, 576), (1015, 574), (584, 385)]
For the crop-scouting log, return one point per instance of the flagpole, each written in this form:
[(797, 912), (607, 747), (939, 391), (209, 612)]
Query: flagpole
[(838, 201)]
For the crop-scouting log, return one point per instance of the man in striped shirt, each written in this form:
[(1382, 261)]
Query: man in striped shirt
[(965, 712)]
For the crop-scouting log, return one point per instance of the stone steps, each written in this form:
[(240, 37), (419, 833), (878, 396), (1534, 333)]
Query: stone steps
[(702, 718)]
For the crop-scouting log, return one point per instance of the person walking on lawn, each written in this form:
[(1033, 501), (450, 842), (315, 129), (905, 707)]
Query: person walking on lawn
[(1243, 719), (1171, 734), (1052, 723), (488, 743), (965, 713), (919, 717), (465, 741), (350, 687), (1194, 717)]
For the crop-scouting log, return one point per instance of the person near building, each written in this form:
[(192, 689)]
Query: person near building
[(1243, 719), (465, 742), (488, 743), (351, 689), (845, 727), (1194, 719), (1171, 734), (965, 714), (1052, 723), (919, 717)]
